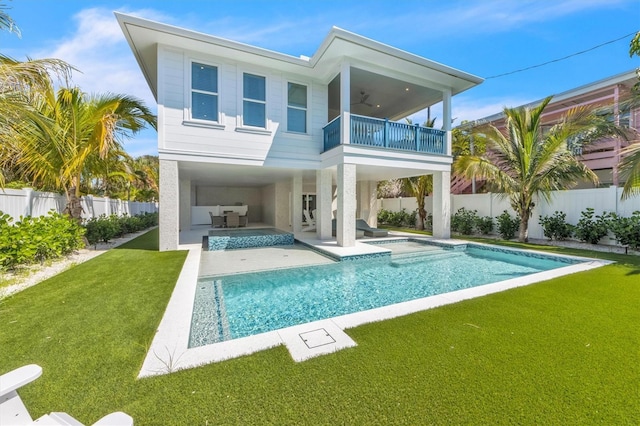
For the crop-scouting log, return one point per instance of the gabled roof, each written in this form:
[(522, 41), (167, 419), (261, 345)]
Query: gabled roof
[(144, 36)]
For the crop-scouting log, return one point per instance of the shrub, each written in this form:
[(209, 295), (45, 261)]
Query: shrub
[(463, 221), (626, 229), (591, 229), (104, 229), (398, 219), (555, 227), (507, 226), (484, 225), (36, 239)]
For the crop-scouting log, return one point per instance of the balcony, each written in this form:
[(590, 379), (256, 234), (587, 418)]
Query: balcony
[(378, 133)]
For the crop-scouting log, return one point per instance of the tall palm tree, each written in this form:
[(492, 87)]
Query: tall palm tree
[(630, 170), (524, 162), (17, 80), (419, 187), (64, 132)]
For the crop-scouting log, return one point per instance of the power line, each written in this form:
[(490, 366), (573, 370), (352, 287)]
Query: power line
[(561, 59)]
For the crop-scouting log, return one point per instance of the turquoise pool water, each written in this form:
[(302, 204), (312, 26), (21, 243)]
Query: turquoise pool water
[(233, 306)]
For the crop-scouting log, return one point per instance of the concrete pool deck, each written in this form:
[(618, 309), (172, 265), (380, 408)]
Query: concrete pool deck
[(169, 350)]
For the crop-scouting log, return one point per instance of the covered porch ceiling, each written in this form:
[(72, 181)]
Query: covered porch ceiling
[(258, 176), (380, 96)]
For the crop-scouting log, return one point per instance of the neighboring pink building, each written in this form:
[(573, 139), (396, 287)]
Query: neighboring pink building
[(603, 157)]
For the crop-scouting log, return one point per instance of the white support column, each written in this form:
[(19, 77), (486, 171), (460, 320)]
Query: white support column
[(442, 204), (324, 199), (446, 117), (345, 103), (169, 200), (346, 220), (185, 205), (296, 203)]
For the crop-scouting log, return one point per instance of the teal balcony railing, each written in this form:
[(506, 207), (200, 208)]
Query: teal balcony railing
[(378, 133)]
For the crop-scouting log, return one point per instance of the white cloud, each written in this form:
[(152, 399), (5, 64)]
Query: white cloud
[(98, 49)]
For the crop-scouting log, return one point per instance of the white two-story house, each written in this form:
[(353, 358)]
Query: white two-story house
[(238, 124)]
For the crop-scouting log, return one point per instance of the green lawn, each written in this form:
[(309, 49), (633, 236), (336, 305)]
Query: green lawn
[(566, 351)]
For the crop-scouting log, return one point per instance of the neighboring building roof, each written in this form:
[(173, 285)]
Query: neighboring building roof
[(144, 36), (586, 94)]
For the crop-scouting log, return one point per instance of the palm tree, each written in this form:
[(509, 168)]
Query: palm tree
[(419, 187), (524, 162), (65, 134), (17, 80), (630, 170)]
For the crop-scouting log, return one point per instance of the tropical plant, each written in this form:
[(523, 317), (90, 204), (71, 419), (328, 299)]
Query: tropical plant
[(626, 229), (464, 220), (524, 162), (419, 187), (484, 225), (591, 228), (67, 134), (556, 227), (630, 164), (507, 225)]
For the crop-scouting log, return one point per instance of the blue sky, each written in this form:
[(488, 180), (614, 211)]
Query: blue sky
[(482, 37)]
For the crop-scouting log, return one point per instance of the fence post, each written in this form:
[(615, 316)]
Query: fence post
[(417, 136), (28, 201)]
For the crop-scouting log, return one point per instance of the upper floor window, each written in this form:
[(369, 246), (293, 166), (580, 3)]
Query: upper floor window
[(254, 100), (204, 92), (297, 108)]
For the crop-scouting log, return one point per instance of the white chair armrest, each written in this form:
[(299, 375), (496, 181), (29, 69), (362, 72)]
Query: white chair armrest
[(115, 419), (19, 377)]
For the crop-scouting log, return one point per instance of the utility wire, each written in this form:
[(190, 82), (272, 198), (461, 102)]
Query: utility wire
[(561, 59)]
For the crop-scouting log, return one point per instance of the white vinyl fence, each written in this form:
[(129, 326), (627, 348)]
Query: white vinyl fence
[(27, 202), (572, 203)]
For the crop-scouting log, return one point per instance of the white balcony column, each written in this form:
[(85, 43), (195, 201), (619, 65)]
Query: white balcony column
[(345, 103), (169, 209), (296, 202), (446, 117), (185, 205), (346, 220), (324, 198), (442, 205)]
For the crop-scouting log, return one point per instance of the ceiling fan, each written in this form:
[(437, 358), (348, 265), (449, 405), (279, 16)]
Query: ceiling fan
[(363, 99)]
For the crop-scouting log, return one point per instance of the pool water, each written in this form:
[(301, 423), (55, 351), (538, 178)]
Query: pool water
[(234, 306)]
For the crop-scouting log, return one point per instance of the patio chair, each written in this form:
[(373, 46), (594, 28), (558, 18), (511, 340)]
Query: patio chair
[(244, 220), (233, 220), (14, 412), (369, 231), (216, 221)]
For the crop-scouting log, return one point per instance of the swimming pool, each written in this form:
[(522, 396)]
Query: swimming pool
[(233, 306)]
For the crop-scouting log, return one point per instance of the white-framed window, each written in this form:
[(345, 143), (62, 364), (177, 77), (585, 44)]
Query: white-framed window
[(296, 108), (254, 100), (204, 92)]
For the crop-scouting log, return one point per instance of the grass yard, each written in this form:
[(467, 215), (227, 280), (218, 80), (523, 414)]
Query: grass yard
[(566, 351)]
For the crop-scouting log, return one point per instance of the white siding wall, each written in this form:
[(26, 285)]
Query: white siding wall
[(279, 148)]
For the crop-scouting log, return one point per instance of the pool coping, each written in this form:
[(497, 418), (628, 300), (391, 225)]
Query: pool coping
[(170, 352)]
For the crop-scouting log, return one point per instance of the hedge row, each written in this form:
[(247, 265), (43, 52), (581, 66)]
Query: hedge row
[(37, 239), (105, 228)]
